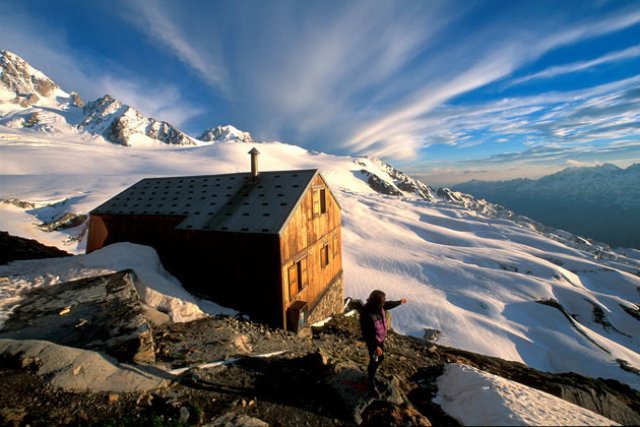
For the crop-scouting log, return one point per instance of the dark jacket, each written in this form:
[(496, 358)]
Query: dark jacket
[(368, 317)]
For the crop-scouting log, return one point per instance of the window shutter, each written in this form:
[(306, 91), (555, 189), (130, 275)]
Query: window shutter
[(293, 282), (303, 273), (316, 202), (323, 201)]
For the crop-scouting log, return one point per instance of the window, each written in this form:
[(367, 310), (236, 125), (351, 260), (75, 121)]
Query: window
[(323, 201), (319, 201), (324, 255), (298, 277)]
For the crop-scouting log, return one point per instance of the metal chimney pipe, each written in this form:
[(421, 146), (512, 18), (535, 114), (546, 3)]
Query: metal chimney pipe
[(254, 163)]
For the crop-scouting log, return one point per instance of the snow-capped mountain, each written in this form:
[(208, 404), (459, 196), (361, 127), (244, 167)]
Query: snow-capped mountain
[(226, 133), (124, 125), (601, 202), (29, 99), (22, 84), (401, 183), (477, 276)]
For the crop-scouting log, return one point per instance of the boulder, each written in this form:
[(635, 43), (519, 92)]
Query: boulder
[(75, 369), (351, 388), (14, 248), (431, 334), (99, 313)]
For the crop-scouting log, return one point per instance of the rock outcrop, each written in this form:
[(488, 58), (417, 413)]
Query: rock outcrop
[(317, 378), (226, 133), (230, 371), (120, 124), (27, 83), (379, 185), (404, 182), (101, 313), (14, 248)]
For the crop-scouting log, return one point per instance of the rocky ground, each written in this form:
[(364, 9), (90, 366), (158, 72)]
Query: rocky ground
[(318, 381), (263, 376)]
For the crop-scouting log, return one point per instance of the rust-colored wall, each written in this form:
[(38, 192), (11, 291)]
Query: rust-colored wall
[(152, 230), (305, 235), (237, 270)]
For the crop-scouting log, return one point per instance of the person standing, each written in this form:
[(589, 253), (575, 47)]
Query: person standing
[(374, 324)]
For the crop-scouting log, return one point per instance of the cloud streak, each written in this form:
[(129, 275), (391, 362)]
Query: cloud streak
[(400, 133), (148, 17), (556, 117), (632, 52)]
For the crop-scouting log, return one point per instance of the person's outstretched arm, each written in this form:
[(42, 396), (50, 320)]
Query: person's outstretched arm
[(393, 304)]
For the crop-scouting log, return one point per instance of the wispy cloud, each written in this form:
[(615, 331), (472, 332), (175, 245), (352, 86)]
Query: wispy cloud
[(624, 18), (532, 163), (594, 125), (301, 71), (400, 132), (606, 111), (321, 82), (622, 55), (150, 19), (404, 127)]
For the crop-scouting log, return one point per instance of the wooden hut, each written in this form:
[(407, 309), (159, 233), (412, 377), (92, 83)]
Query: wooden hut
[(267, 244)]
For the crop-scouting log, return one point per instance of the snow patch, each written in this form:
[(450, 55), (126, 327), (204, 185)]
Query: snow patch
[(154, 284), (475, 397)]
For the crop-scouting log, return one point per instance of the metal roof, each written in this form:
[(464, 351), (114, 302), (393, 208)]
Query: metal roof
[(231, 202)]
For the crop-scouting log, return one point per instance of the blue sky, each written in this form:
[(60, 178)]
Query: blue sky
[(449, 90)]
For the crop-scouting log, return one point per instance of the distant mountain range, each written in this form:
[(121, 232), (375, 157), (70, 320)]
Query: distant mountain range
[(33, 100), (602, 202)]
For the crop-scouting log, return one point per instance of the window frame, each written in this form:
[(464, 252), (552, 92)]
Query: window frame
[(323, 201), (325, 260), (319, 200), (298, 276)]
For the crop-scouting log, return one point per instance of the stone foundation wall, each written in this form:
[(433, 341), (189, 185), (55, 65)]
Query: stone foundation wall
[(330, 303)]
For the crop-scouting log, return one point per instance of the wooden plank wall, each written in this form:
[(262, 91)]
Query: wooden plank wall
[(304, 236)]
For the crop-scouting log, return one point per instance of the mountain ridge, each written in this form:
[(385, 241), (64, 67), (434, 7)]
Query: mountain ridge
[(225, 133), (123, 125), (29, 88), (602, 202)]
